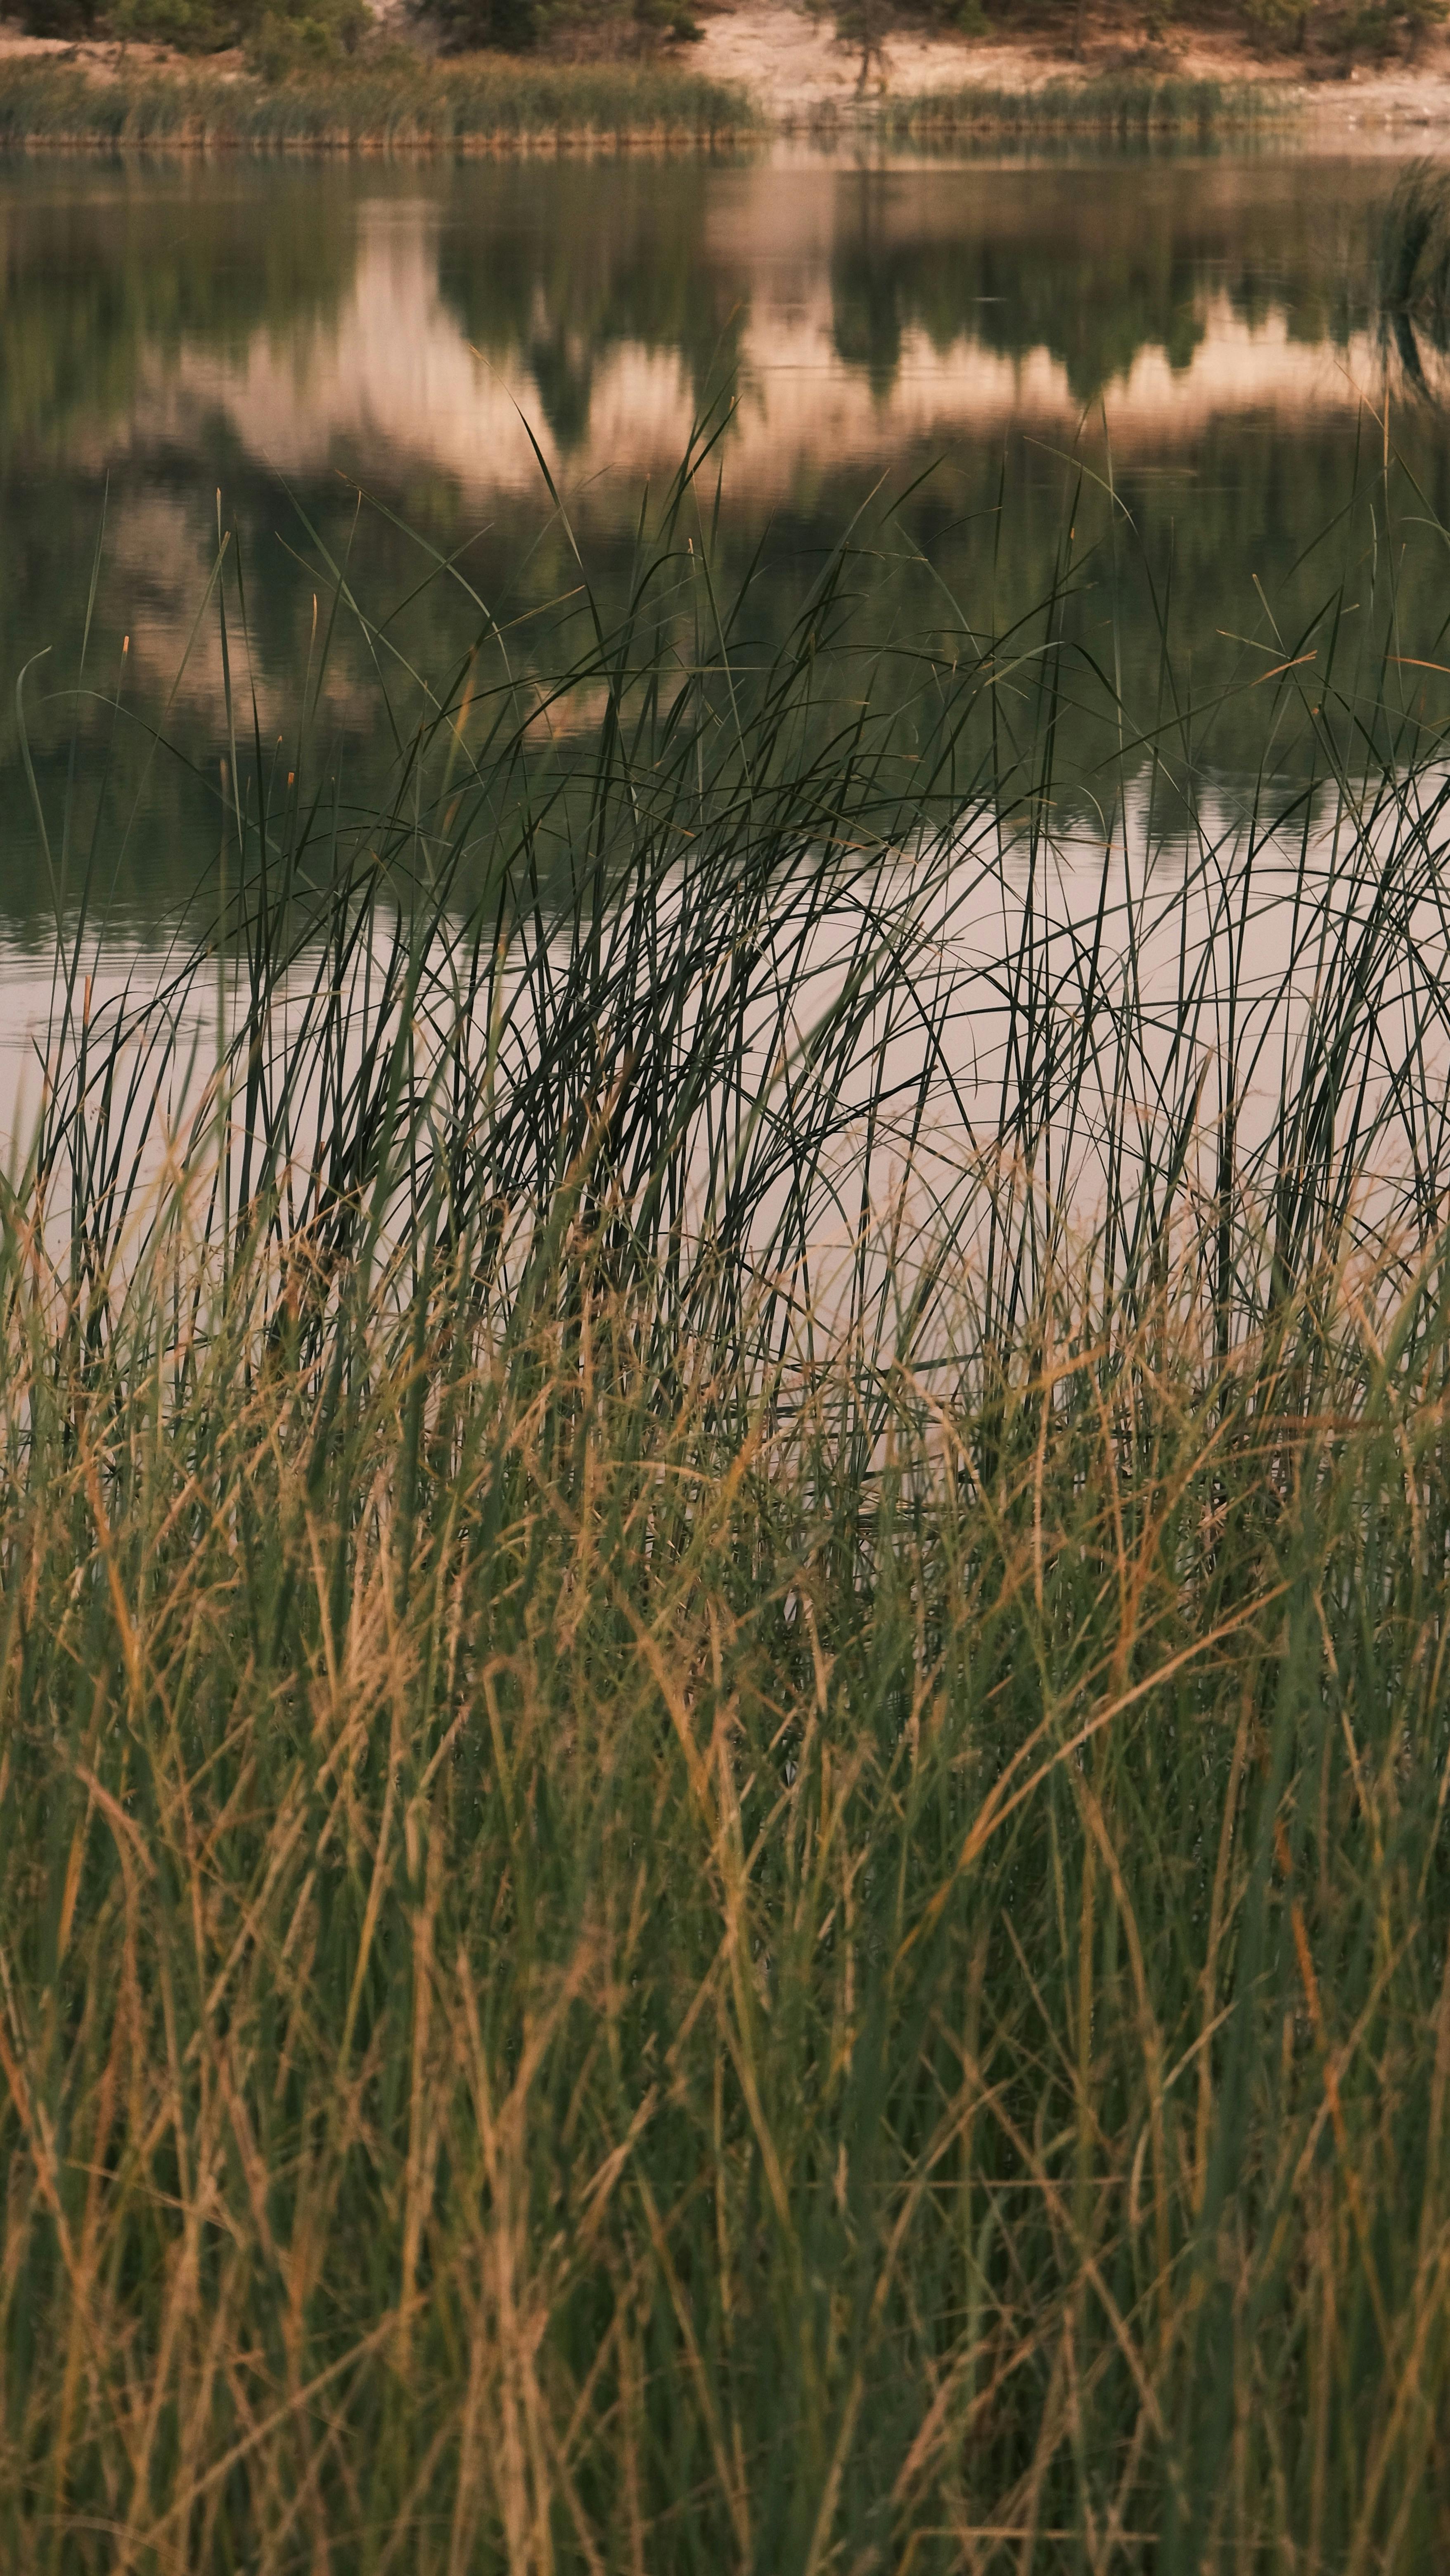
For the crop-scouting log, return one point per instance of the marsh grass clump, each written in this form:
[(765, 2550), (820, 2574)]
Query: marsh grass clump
[(722, 1666)]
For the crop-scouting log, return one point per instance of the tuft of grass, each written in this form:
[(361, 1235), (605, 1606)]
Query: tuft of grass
[(480, 105), (722, 1655)]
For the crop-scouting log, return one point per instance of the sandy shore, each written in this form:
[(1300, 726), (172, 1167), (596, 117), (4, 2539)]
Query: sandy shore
[(790, 58), (787, 55), (104, 58)]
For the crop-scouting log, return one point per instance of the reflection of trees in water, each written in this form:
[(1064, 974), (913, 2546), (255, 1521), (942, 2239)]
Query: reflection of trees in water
[(1073, 263), (1093, 313), (570, 260), (562, 366), (559, 264), (555, 265), (1091, 264), (104, 274), (871, 278), (990, 522)]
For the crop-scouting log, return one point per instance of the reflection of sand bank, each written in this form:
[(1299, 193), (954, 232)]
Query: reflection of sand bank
[(391, 382)]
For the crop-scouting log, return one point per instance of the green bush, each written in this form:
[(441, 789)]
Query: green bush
[(59, 18), (278, 34), (317, 31), (510, 26), (1377, 28)]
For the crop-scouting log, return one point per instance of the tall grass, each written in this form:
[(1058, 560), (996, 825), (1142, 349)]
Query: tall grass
[(1115, 103), (492, 103), (404, 105), (723, 1642)]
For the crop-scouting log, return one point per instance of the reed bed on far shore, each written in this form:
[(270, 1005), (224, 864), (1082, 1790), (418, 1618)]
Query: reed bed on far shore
[(478, 105), (1114, 103), (724, 1708), (492, 103)]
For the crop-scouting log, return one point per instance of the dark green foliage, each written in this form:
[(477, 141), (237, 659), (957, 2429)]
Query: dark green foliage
[(1327, 32), (278, 33), (71, 18), (585, 31), (1337, 34), (510, 25)]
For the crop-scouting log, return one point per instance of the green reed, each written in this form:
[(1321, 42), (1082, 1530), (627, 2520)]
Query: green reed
[(1112, 103), (493, 103), (399, 103), (722, 1646)]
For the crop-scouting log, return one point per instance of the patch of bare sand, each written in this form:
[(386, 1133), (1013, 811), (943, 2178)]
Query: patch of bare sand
[(792, 61), (104, 56)]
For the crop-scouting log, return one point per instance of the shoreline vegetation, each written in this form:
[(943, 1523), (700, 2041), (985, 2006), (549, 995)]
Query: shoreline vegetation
[(1110, 103), (723, 1661), (490, 103), (480, 105)]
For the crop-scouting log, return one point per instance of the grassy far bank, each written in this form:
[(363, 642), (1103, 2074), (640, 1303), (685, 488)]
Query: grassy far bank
[(486, 103), (475, 105), (670, 1900), (1112, 103)]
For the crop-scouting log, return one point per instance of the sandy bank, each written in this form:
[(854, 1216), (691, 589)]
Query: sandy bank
[(788, 57), (791, 60)]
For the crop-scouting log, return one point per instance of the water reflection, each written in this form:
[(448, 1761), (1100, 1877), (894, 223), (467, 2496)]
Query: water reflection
[(362, 290), (559, 278), (106, 282), (1196, 333)]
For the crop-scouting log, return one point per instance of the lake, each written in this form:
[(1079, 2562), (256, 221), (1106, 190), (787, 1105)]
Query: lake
[(1173, 356)]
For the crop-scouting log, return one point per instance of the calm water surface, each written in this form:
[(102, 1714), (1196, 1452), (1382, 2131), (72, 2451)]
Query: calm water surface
[(252, 344)]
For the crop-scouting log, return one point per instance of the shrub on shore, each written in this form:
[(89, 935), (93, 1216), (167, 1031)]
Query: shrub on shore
[(578, 31), (1329, 34), (322, 30)]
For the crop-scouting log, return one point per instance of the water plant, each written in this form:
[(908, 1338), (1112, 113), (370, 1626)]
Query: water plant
[(722, 1657)]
